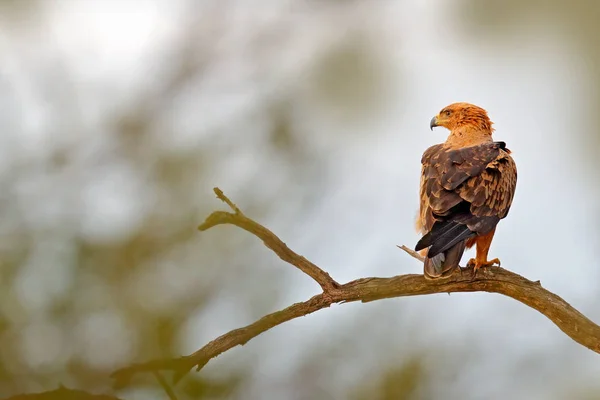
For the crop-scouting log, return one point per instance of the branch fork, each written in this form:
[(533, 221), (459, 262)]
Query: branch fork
[(495, 280)]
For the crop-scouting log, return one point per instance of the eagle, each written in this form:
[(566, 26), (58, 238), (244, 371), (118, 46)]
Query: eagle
[(467, 186)]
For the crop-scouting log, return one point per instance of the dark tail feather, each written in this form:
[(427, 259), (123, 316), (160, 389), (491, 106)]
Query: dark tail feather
[(450, 239), (441, 233), (444, 263), (438, 229), (446, 242)]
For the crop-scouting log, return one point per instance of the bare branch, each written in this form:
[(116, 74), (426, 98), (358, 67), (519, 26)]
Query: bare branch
[(269, 239), (493, 280)]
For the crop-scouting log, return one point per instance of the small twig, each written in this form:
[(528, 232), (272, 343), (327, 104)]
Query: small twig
[(412, 253), (164, 385), (225, 199)]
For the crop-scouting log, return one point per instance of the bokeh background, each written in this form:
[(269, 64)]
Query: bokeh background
[(117, 118)]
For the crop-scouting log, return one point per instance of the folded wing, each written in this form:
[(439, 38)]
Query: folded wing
[(464, 193)]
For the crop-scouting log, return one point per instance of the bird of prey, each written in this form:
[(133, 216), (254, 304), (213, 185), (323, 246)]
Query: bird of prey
[(467, 187)]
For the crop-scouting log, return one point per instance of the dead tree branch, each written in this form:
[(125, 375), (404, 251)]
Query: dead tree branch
[(493, 280), (238, 219)]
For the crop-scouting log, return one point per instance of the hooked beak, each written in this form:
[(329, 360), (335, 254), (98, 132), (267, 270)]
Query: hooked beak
[(433, 123)]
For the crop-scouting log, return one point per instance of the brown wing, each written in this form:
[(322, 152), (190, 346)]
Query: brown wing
[(467, 191), (491, 192), (433, 196)]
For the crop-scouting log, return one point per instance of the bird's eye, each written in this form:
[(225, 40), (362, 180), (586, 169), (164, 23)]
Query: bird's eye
[(447, 112)]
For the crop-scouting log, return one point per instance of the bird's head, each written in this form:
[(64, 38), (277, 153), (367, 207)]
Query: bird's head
[(458, 115)]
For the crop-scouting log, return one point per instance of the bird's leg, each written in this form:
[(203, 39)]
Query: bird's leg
[(483, 247)]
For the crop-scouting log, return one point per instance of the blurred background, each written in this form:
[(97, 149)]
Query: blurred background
[(118, 118)]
